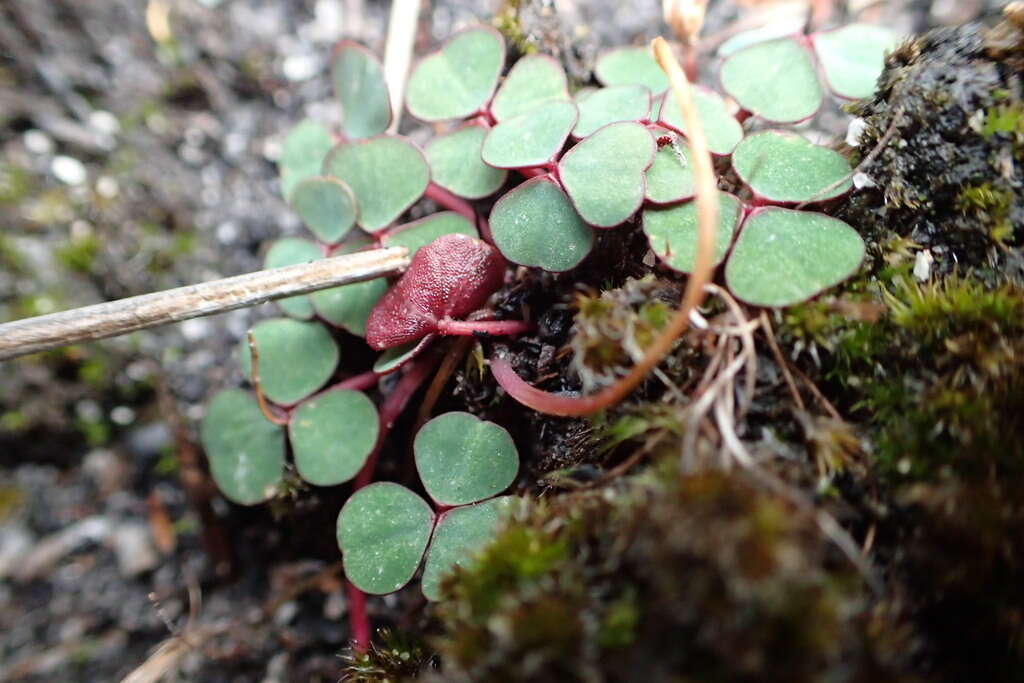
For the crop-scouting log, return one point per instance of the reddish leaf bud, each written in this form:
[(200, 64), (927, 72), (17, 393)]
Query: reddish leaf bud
[(452, 276)]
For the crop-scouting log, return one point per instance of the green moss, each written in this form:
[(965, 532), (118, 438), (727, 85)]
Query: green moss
[(633, 422), (79, 254), (14, 421), (506, 20), (393, 656), (94, 370), (952, 400), (621, 622), (96, 432), (15, 184), (10, 258), (702, 577), (1004, 119), (991, 206)]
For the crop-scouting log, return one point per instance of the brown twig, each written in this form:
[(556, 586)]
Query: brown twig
[(865, 162), (254, 377), (780, 360), (456, 352), (816, 392), (114, 318)]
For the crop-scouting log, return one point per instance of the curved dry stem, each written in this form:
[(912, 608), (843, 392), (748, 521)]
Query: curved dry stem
[(865, 162), (780, 360), (693, 295), (456, 352), (744, 329), (254, 377)]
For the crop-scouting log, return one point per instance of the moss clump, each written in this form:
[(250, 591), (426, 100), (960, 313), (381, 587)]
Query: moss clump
[(953, 392), (989, 206), (534, 26), (507, 22), (79, 254), (937, 383), (393, 656), (612, 329), (950, 176), (702, 577)]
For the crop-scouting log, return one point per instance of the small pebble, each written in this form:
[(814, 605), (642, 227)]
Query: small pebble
[(107, 187), (195, 329), (300, 67), (104, 122), (38, 142), (15, 542), (68, 170), (134, 549), (855, 131), (122, 415), (923, 265), (862, 180)]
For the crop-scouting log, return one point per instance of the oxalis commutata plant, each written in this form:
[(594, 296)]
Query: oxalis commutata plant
[(567, 165)]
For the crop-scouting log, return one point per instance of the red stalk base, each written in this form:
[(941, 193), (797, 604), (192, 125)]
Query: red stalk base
[(447, 200), (359, 622), (482, 328), (361, 382), (545, 401)]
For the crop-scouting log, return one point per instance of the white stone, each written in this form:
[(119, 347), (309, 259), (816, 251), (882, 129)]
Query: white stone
[(862, 180), (299, 67), (68, 170), (104, 122), (107, 187), (855, 131), (923, 265), (134, 549), (37, 142)]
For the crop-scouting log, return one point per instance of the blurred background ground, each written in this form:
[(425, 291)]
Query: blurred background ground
[(137, 148)]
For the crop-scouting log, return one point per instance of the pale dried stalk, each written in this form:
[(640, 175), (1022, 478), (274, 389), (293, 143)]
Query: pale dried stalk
[(405, 16), (685, 18), (114, 318)]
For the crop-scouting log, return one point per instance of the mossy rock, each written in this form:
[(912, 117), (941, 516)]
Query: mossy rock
[(950, 175)]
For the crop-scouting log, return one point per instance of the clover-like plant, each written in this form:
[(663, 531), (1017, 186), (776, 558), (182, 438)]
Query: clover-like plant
[(385, 529), (777, 79), (563, 166)]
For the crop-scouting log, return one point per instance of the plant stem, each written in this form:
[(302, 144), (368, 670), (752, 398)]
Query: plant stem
[(446, 199), (358, 620), (534, 171), (392, 407), (254, 377), (693, 295), (691, 63), (360, 382), (394, 404), (482, 328), (456, 352)]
